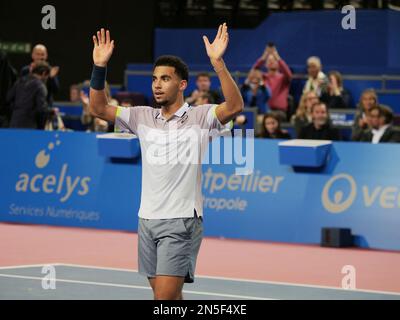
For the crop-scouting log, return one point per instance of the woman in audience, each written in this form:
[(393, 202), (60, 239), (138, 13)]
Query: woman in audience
[(272, 127), (336, 97), (303, 116), (368, 100)]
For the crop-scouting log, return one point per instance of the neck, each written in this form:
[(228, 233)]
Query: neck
[(169, 110)]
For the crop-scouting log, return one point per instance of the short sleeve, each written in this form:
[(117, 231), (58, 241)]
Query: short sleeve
[(212, 120), (126, 120)]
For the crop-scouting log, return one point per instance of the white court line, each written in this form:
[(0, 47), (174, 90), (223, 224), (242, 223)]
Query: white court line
[(244, 280), (204, 293), (212, 278), (23, 266)]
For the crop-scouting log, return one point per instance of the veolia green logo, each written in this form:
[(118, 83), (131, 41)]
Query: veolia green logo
[(61, 184)]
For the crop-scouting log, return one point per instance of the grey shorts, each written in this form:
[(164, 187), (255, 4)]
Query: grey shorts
[(169, 247)]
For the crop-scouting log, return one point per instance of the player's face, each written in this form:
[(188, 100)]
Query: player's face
[(167, 85)]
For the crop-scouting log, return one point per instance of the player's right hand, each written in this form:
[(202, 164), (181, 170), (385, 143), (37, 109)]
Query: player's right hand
[(103, 48)]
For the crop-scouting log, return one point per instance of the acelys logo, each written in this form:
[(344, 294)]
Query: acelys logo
[(61, 184), (339, 203)]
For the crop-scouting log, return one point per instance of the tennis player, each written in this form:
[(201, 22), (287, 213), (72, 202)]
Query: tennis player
[(170, 217)]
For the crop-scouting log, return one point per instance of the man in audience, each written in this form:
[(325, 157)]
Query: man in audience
[(39, 54), (277, 79), (203, 84), (317, 80), (320, 128), (380, 119), (27, 98)]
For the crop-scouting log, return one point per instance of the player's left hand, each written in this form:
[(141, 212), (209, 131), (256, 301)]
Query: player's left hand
[(216, 50)]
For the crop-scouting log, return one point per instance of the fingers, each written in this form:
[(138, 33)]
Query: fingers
[(108, 37), (224, 31), (219, 32), (206, 42), (103, 36)]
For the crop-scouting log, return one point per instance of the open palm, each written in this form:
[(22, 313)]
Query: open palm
[(216, 50), (103, 48)]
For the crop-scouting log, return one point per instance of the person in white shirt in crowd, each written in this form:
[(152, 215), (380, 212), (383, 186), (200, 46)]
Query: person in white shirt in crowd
[(317, 80), (382, 130)]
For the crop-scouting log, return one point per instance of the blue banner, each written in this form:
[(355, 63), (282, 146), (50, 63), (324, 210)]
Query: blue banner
[(60, 179)]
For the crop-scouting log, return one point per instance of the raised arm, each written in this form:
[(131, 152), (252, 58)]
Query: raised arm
[(99, 105), (233, 104)]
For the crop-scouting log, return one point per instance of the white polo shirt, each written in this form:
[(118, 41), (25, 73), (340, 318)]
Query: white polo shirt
[(172, 152)]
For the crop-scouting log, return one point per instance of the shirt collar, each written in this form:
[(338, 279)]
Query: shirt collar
[(179, 113), (381, 129)]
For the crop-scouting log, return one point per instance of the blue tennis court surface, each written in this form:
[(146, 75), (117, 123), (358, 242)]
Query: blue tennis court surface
[(94, 283)]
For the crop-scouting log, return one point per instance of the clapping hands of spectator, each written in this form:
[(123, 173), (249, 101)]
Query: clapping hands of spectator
[(54, 71), (84, 98)]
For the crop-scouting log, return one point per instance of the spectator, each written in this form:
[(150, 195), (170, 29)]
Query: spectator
[(254, 92), (380, 119), (368, 100), (203, 84), (7, 79), (320, 128), (27, 98), (74, 93), (95, 124), (277, 78), (303, 116), (272, 128), (39, 53), (317, 80), (336, 97), (203, 98)]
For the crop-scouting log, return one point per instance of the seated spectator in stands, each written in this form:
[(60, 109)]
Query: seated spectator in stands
[(277, 79), (380, 119), (336, 97), (39, 53), (27, 98), (254, 92), (368, 100), (203, 84), (303, 116), (317, 80), (126, 103), (320, 128), (96, 124), (272, 128), (75, 93), (203, 98), (8, 76)]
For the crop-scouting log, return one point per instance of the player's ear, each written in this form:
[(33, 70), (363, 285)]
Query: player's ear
[(183, 85)]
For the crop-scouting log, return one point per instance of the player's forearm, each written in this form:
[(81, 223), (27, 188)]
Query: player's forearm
[(233, 98), (98, 102)]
